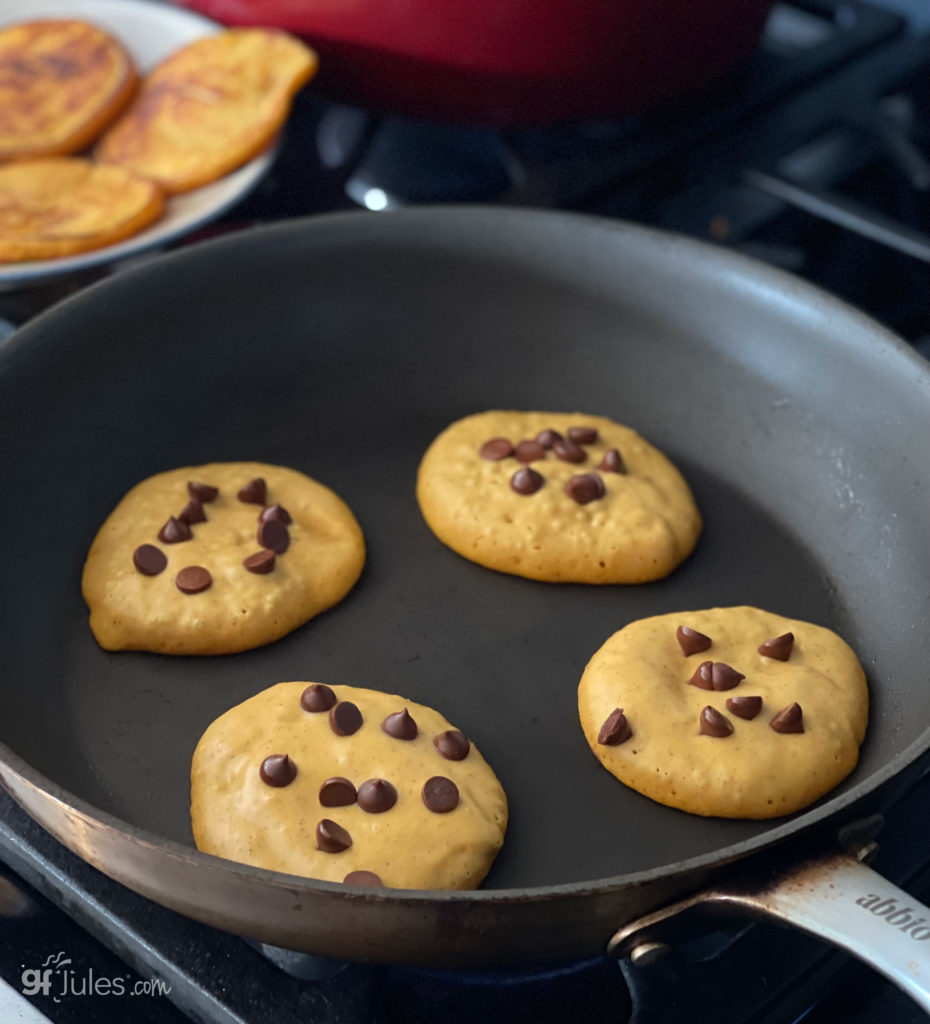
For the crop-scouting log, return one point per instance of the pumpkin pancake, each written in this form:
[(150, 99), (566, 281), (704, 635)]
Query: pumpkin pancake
[(209, 108), (61, 83), (63, 205)]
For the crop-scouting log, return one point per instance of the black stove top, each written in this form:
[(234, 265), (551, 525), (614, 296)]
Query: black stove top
[(816, 157)]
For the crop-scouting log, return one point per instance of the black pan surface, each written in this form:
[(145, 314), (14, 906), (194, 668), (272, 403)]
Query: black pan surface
[(341, 346)]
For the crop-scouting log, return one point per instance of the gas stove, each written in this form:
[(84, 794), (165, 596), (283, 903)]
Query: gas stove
[(814, 157)]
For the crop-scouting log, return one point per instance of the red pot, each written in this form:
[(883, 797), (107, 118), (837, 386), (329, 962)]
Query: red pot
[(509, 61)]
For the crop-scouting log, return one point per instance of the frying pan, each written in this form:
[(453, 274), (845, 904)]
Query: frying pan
[(341, 345)]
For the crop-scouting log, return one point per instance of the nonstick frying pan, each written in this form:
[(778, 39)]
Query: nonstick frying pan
[(341, 345)]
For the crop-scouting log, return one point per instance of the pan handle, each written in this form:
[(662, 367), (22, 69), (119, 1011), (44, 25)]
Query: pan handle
[(838, 898)]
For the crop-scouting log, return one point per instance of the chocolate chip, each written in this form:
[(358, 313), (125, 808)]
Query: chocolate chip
[(612, 462), (366, 878), (345, 718), (585, 487), (547, 438), (202, 492), (715, 724), (277, 512), (715, 675), (702, 676), (278, 770), (255, 492), (789, 719), (149, 560), (526, 481), (317, 697), (400, 725), (273, 534), (376, 796), (615, 730), (331, 838), (440, 794), (568, 451), (496, 449), (691, 641), (337, 792), (193, 579), (174, 531), (261, 562), (193, 513), (452, 744), (529, 451), (744, 707), (583, 435), (778, 647), (725, 678)]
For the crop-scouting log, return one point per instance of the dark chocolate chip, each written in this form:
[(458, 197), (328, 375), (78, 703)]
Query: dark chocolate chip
[(612, 462), (526, 481), (702, 676), (583, 435), (744, 707), (149, 560), (193, 513), (568, 451), (778, 647), (337, 792), (317, 697), (615, 730), (715, 724), (278, 512), (547, 438), (400, 725), (366, 878), (789, 719), (440, 794), (331, 838), (202, 492), (725, 678), (261, 562), (174, 531), (496, 449), (585, 487), (345, 718), (255, 492), (529, 451), (273, 534), (691, 641), (376, 796), (452, 744), (715, 675), (278, 770), (193, 579)]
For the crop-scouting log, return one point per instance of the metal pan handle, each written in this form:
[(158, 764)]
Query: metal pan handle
[(838, 898)]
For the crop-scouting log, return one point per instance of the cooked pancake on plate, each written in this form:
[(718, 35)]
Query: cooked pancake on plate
[(209, 108), (62, 205), (62, 82)]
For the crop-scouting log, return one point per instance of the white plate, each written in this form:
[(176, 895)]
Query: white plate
[(150, 31)]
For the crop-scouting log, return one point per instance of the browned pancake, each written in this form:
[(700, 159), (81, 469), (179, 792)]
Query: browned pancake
[(209, 108), (61, 83), (58, 206)]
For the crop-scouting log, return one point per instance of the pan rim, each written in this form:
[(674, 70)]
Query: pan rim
[(465, 220)]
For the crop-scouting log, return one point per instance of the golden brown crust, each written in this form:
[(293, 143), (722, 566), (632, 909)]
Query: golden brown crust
[(209, 108), (62, 81), (59, 206)]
